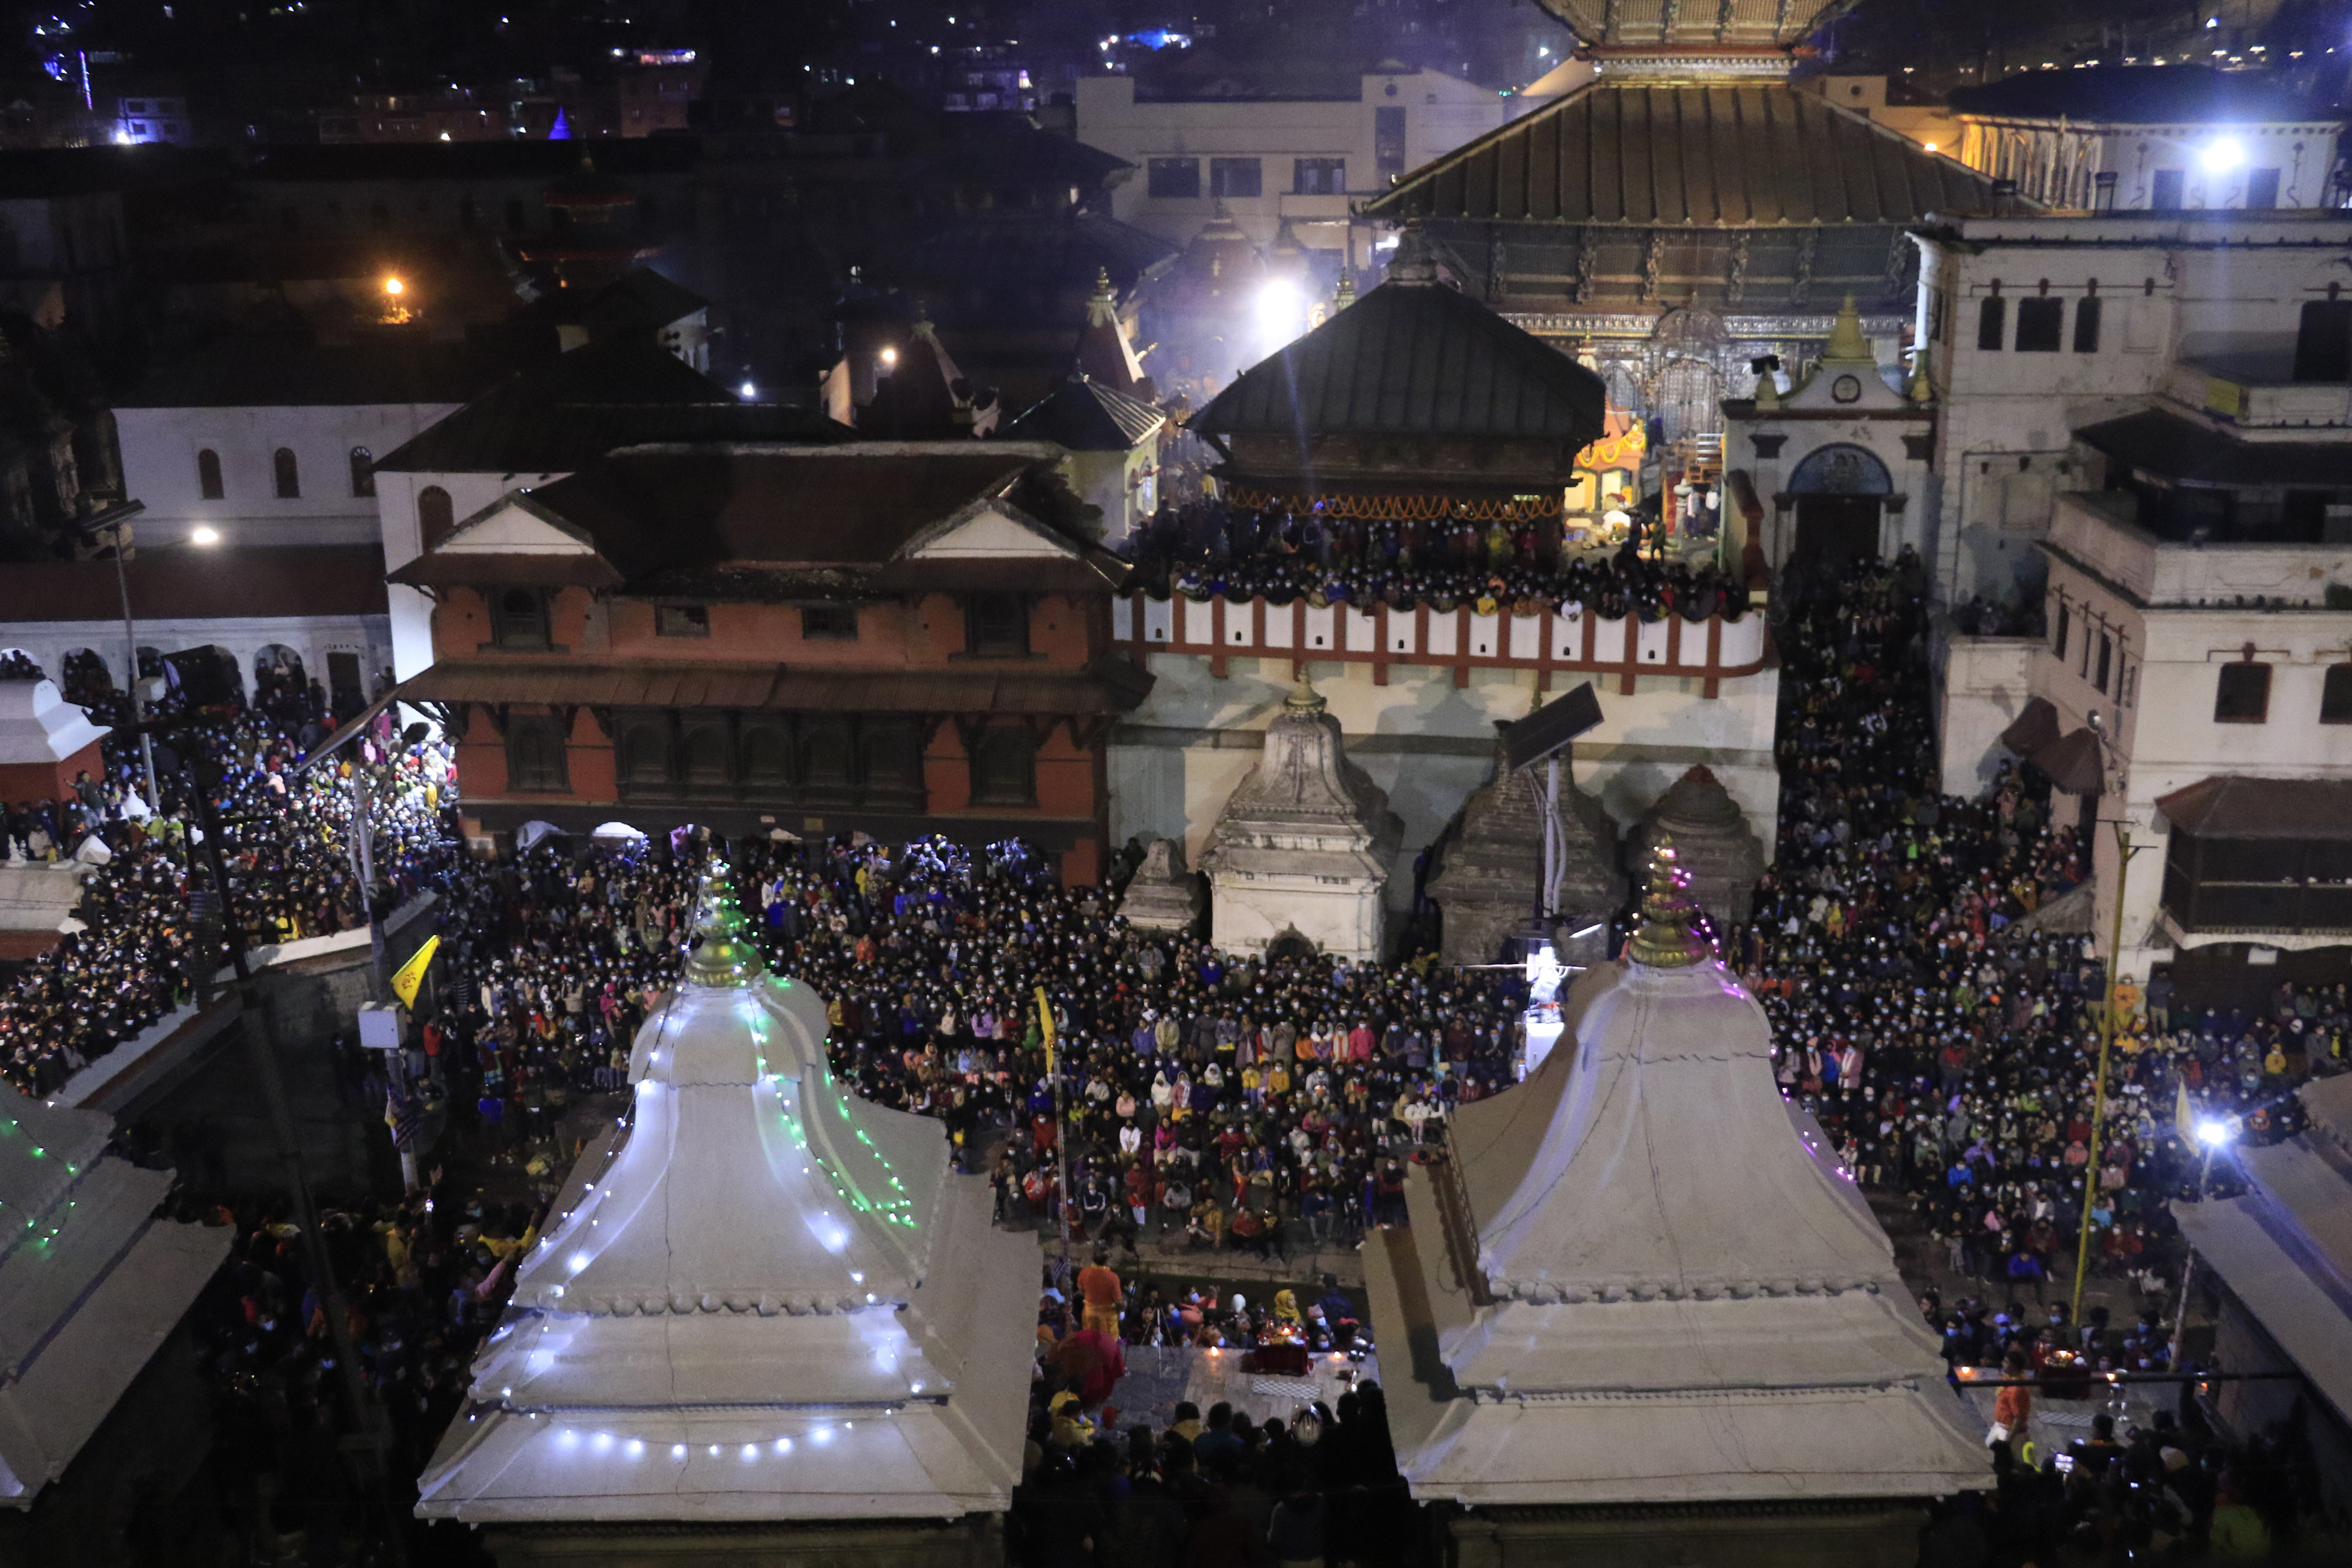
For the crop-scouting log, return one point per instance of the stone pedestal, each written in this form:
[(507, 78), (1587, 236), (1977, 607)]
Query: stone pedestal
[(1719, 852), (1301, 851), (1488, 884), (1162, 895)]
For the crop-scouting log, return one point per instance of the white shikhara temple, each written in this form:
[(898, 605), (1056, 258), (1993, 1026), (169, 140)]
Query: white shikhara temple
[(763, 1300), (1640, 1280)]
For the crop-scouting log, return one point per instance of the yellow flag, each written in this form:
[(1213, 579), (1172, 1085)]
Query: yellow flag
[(1045, 1026), (412, 973)]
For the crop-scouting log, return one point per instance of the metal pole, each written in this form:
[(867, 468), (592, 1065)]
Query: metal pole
[(364, 841), (1552, 845), (2189, 1266), (262, 1038), (2099, 1086), (131, 637)]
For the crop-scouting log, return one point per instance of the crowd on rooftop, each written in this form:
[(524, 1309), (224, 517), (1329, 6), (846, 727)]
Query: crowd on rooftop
[(1204, 549)]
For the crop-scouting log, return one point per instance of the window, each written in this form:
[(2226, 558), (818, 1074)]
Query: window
[(208, 475), (2164, 191), (289, 473), (435, 518), (1992, 321), (2066, 624), (2086, 327), (2242, 695), (362, 471), (1388, 141), (2262, 188), (1173, 179), (996, 625), (2039, 325), (2322, 342), (1318, 176), (1004, 768), (681, 621), (518, 618), (535, 754), (2106, 661), (829, 623), (1235, 177), (2336, 696)]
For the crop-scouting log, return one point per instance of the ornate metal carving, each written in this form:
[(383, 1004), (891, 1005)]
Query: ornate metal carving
[(1738, 291), (1808, 243)]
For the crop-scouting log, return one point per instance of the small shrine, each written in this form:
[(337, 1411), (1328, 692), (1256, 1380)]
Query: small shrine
[(1650, 1318), (1162, 895), (1718, 851), (765, 1309), (1301, 851), (1488, 884)]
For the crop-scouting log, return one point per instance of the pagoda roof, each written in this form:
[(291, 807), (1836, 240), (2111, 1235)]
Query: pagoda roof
[(1413, 357), (763, 1300), (1089, 416), (1699, 156)]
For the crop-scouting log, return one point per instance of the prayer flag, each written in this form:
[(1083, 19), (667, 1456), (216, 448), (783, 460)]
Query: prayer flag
[(412, 975)]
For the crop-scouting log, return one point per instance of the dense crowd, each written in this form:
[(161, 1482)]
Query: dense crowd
[(137, 954), (1206, 549)]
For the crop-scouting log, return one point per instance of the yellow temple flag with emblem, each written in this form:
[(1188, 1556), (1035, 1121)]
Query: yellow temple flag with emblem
[(411, 975)]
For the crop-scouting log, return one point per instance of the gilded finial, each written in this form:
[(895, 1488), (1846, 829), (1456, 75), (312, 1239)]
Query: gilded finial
[(1664, 940), (1921, 389), (1847, 344), (722, 954), (1767, 389), (1345, 295), (1304, 697)]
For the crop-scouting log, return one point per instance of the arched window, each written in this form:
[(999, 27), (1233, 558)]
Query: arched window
[(208, 474), (435, 516), (290, 474), (362, 471)]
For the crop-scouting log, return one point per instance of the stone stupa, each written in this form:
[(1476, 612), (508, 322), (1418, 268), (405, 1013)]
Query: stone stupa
[(1487, 885), (1718, 851), (1162, 895), (1301, 851), (764, 1308), (1650, 1320)]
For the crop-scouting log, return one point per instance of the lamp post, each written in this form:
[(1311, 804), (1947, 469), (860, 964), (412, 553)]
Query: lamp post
[(113, 527), (2212, 1133)]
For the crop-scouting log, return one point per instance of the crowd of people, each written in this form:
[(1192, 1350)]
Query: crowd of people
[(1206, 547)]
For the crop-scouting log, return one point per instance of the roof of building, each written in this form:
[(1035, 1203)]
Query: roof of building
[(1730, 27), (563, 414), (542, 161), (2143, 95), (291, 371), (1413, 357), (2181, 448), (765, 1299), (191, 583), (2232, 806), (1087, 415), (1650, 1281), (34, 173), (1716, 154), (780, 523)]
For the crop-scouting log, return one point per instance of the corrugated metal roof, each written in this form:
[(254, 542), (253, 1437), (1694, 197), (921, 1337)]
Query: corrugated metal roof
[(1741, 155), (1413, 358), (1087, 415)]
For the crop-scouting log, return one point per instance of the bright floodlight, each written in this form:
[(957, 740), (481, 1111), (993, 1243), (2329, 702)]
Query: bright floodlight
[(2221, 154), (203, 535), (890, 356), (394, 285), (748, 390), (2212, 1132), (1279, 311)]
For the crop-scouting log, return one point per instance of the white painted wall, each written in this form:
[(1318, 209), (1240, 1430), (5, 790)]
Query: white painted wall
[(397, 493), (1986, 682), (2169, 284), (159, 468), (1175, 762)]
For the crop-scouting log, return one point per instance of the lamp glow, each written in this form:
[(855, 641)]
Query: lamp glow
[(2212, 1132), (2221, 154), (890, 356), (394, 287), (1279, 311), (205, 535), (748, 390)]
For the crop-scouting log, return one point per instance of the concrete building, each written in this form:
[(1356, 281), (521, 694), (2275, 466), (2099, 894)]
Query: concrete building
[(2037, 325), (2193, 678), (1271, 163), (2157, 138)]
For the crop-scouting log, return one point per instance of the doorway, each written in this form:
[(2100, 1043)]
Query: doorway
[(1837, 530), (343, 693)]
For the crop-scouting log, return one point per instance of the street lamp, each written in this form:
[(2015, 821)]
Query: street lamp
[(2213, 1132)]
